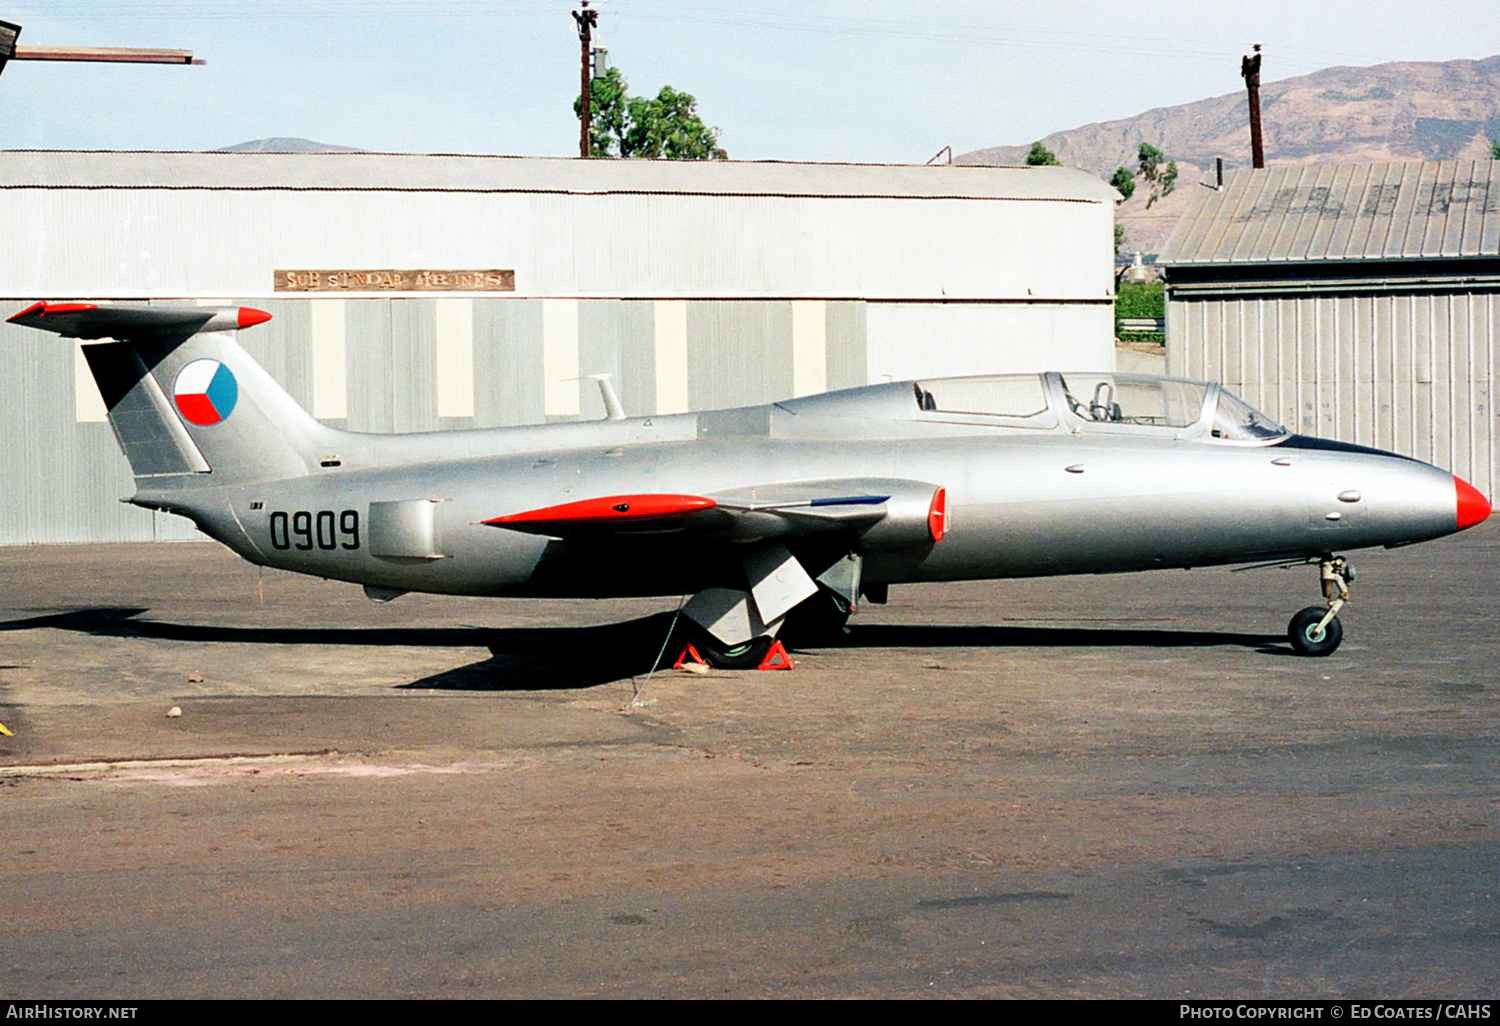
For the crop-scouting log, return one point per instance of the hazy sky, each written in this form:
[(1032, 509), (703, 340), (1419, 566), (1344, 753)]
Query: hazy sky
[(879, 80)]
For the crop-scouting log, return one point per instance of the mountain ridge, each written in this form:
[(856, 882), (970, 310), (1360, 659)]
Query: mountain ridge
[(286, 144), (1399, 111)]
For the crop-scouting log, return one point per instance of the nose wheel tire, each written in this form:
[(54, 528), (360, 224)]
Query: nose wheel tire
[(1307, 639)]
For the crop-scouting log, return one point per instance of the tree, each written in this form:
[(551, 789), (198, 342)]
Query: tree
[(1162, 179), (1124, 182), (1040, 156), (666, 126), (1495, 148), (669, 126)]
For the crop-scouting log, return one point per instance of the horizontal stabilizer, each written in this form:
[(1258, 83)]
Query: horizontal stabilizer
[(135, 323)]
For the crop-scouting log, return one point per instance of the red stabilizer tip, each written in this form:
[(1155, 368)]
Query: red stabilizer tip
[(249, 315), (1473, 507), (44, 308)]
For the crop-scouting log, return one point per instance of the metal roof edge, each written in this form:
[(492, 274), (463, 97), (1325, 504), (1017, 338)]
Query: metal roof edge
[(109, 169)]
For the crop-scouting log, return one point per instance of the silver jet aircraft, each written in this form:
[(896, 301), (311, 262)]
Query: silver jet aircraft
[(776, 519)]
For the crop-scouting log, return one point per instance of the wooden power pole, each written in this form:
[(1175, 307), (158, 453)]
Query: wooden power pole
[(1250, 72), (586, 20)]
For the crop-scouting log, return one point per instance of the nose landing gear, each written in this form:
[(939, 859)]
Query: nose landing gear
[(1316, 631)]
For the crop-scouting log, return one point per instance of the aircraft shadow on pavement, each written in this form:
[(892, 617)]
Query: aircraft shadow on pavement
[(521, 658), (980, 636), (561, 658)]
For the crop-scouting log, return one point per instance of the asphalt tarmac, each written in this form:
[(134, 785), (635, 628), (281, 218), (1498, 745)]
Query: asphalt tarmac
[(1082, 787)]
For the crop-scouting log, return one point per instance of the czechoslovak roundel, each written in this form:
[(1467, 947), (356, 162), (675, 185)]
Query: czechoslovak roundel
[(205, 392)]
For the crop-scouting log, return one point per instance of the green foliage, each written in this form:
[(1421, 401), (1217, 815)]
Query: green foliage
[(1119, 237), (669, 126), (1140, 299), (1040, 156), (1150, 160), (666, 126), (1162, 179), (1495, 148), (1124, 182)]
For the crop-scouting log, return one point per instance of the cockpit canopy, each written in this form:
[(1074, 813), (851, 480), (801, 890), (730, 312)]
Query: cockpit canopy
[(1114, 403)]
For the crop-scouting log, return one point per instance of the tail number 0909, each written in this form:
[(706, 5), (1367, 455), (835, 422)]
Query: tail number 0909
[(323, 529)]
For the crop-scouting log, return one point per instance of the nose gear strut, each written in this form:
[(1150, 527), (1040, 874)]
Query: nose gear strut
[(1316, 631)]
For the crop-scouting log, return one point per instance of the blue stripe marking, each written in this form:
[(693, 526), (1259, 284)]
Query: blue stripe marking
[(851, 500)]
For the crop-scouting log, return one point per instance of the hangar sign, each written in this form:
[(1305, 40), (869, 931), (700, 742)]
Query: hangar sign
[(396, 281)]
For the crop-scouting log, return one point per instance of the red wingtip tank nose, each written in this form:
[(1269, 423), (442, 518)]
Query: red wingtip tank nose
[(250, 316), (1473, 507)]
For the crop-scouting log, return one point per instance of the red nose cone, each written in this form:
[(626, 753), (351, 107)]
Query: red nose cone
[(249, 315), (1472, 506)]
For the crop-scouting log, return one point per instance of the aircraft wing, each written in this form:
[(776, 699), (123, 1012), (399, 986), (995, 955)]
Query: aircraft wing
[(137, 323), (890, 512)]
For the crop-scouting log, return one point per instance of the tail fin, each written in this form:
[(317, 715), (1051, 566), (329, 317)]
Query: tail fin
[(183, 397)]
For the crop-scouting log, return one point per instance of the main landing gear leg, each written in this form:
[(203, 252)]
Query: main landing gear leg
[(1316, 631)]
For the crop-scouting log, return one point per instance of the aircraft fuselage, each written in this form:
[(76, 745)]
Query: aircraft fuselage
[(1016, 506)]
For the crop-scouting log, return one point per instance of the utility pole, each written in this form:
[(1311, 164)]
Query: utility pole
[(1250, 72), (586, 20)]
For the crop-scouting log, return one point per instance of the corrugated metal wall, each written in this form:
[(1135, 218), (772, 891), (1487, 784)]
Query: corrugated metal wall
[(1411, 373), (912, 340), (131, 242)]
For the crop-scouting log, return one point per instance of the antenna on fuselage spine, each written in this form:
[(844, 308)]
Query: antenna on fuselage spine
[(613, 408)]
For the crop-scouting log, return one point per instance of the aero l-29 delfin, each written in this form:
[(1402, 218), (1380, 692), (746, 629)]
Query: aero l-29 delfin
[(775, 519)]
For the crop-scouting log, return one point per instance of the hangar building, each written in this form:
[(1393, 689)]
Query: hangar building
[(1358, 301), (415, 293)]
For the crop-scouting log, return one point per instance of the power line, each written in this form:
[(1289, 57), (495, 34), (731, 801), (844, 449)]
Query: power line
[(645, 11)]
